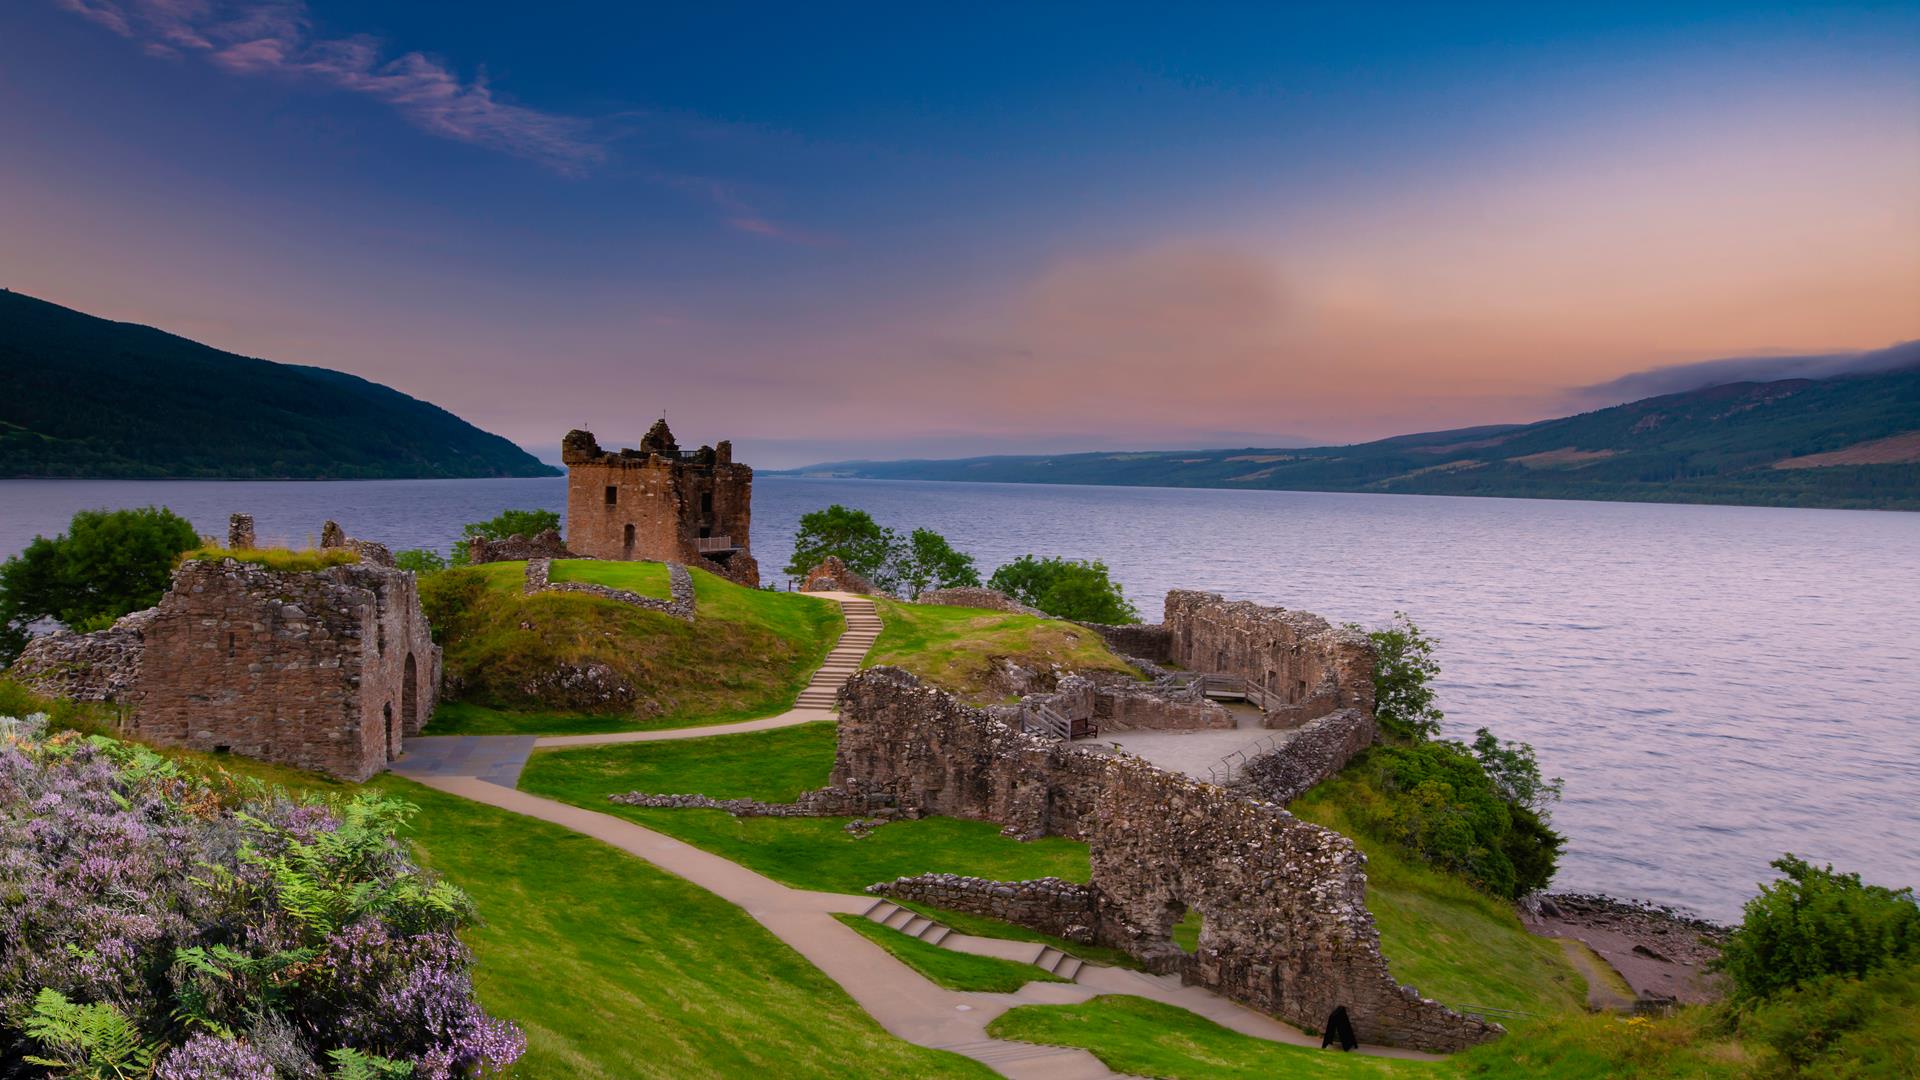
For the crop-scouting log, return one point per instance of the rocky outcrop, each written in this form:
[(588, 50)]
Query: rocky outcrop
[(977, 597), (832, 575), (1285, 924)]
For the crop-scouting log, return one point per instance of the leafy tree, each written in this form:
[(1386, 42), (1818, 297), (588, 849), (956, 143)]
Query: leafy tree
[(868, 548), (1065, 588), (1813, 922), (419, 560), (1515, 771), (1403, 695), (107, 563), (928, 561), (506, 523)]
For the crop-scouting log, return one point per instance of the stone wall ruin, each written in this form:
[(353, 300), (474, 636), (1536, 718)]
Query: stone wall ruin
[(660, 503), (1285, 924)]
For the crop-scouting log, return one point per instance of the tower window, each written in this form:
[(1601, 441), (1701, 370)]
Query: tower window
[(613, 495), (706, 502)]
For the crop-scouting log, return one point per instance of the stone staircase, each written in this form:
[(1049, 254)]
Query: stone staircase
[(863, 628), (915, 925)]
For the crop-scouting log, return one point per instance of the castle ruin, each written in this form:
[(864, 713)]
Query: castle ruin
[(660, 502)]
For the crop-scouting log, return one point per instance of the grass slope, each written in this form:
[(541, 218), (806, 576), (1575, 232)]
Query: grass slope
[(807, 853), (953, 970), (1445, 938), (747, 653), (955, 648), (1146, 1038), (82, 396)]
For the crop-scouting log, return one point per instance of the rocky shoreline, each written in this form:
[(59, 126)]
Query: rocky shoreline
[(1663, 953)]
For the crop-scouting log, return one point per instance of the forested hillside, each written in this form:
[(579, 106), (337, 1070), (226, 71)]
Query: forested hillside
[(86, 397)]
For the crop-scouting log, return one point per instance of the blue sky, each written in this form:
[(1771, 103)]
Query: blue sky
[(849, 231)]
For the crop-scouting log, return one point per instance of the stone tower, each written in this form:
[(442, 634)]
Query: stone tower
[(660, 502)]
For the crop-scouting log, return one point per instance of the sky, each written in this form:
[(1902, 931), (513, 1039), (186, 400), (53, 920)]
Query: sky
[(835, 231)]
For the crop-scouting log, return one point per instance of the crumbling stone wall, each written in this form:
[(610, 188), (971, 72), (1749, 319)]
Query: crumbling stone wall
[(659, 502), (326, 670), (1148, 641), (333, 536), (679, 585), (1286, 928), (1124, 705), (1048, 904), (832, 575), (978, 597), (545, 544), (240, 532), (1308, 666), (1318, 750)]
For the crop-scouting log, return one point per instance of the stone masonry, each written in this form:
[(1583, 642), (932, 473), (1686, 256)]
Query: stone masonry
[(326, 669), (833, 575), (1308, 666), (976, 596), (1049, 905), (545, 544), (661, 503), (679, 584), (1285, 924)]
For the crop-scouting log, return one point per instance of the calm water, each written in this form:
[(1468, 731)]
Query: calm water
[(1716, 684)]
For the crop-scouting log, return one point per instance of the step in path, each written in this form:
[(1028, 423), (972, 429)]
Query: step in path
[(913, 924)]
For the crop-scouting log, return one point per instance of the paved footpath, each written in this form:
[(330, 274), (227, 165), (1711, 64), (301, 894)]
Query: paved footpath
[(485, 768)]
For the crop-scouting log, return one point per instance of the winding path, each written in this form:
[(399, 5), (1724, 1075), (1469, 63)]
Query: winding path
[(485, 768)]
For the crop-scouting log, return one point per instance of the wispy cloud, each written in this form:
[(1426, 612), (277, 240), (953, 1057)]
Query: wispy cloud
[(276, 38), (740, 213)]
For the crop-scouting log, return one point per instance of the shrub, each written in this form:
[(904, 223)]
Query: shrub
[(419, 560), (1813, 922), (1840, 1026), (853, 536), (928, 561), (107, 563), (502, 525), (210, 926), (1076, 589)]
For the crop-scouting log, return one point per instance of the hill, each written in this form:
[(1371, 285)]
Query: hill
[(1849, 442), (87, 397)]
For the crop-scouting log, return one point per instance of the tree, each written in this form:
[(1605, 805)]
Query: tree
[(419, 560), (1813, 922), (928, 561), (859, 541), (1403, 696), (1065, 588), (506, 523), (107, 563)]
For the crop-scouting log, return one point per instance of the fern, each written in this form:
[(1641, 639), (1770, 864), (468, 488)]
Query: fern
[(349, 1064), (90, 1042)]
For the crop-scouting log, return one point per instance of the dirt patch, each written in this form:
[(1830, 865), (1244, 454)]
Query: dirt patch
[(1902, 449), (1661, 953), (1261, 459), (1566, 457)]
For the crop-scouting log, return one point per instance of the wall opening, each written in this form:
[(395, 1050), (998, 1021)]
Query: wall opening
[(410, 695), (1186, 932), (613, 495), (393, 737), (706, 502), (706, 531), (627, 544)]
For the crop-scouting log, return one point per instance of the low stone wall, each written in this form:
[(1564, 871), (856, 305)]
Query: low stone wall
[(825, 802), (1317, 751), (977, 597), (1307, 666), (1049, 905), (101, 666), (679, 582), (1285, 924), (832, 575), (1148, 641), (545, 544)]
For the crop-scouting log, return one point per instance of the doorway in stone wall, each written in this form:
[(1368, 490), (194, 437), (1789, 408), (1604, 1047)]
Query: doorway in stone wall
[(1183, 926), (410, 697), (392, 726), (627, 544)]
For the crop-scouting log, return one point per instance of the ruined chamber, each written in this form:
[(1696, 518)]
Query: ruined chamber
[(660, 502)]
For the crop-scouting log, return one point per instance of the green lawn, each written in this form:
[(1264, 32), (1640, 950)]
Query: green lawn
[(953, 970), (955, 648), (747, 653), (772, 766), (1146, 1038), (645, 578), (808, 853), (1445, 938)]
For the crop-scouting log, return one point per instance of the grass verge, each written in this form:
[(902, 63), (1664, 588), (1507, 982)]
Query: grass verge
[(278, 558), (1146, 1038), (945, 967), (772, 766), (955, 648)]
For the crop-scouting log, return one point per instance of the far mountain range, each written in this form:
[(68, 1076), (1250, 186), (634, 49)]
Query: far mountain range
[(1849, 441)]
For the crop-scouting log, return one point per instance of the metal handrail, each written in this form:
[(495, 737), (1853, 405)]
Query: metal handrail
[(713, 543)]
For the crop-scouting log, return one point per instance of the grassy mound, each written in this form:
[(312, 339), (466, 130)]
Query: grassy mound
[(955, 648), (945, 967), (1442, 936), (808, 853), (519, 664), (1146, 1038), (645, 578)]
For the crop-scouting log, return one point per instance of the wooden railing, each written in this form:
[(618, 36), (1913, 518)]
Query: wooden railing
[(705, 544), (1045, 720)]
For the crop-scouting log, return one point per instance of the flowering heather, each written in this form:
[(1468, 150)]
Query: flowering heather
[(255, 937)]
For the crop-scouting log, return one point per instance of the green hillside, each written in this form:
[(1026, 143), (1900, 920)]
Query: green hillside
[(86, 397), (1724, 444)]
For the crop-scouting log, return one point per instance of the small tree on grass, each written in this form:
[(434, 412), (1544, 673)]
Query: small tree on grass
[(928, 561), (1814, 922), (506, 523), (1403, 696), (107, 563), (1065, 588), (868, 548)]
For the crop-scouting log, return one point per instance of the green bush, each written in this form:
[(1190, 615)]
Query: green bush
[(1438, 803), (928, 561), (502, 525), (1813, 922), (1839, 1026), (1077, 589), (419, 560), (107, 563), (852, 536)]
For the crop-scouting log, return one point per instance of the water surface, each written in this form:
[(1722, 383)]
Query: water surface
[(1716, 684)]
